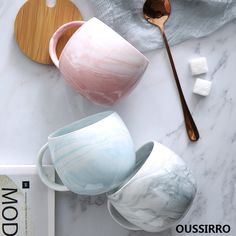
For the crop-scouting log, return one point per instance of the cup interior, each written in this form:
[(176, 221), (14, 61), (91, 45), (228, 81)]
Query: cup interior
[(88, 121), (71, 38), (118, 218), (141, 157)]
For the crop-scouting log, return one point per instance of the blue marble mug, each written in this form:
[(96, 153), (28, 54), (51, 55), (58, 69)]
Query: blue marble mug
[(158, 193), (91, 156)]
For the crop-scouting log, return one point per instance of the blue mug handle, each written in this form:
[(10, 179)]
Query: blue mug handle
[(42, 174)]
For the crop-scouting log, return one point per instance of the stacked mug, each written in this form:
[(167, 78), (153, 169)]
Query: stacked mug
[(150, 189)]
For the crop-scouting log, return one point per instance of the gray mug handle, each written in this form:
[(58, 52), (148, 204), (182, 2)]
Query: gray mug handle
[(42, 174)]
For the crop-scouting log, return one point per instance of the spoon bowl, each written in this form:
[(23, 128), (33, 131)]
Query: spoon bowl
[(157, 12)]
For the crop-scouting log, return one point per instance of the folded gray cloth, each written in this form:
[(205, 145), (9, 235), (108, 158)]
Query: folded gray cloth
[(189, 19)]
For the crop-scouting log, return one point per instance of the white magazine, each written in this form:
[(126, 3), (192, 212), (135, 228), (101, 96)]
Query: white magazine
[(27, 206)]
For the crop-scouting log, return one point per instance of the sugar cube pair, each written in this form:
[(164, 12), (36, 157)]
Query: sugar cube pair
[(199, 66)]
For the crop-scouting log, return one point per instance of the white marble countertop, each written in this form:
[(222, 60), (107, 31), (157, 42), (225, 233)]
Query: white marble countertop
[(34, 101)]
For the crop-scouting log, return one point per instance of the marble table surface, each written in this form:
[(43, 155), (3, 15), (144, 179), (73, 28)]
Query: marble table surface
[(34, 101)]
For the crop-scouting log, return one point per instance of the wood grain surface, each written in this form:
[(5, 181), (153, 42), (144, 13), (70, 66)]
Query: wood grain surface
[(35, 24)]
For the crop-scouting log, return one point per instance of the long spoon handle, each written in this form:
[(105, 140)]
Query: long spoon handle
[(191, 127)]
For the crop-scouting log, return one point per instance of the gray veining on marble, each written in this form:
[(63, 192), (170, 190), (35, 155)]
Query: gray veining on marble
[(34, 102)]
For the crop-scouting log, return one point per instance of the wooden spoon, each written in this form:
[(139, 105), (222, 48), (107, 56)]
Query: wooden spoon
[(35, 24)]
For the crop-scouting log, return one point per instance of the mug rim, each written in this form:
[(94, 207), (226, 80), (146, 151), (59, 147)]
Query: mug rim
[(119, 189), (96, 19), (56, 134), (132, 226)]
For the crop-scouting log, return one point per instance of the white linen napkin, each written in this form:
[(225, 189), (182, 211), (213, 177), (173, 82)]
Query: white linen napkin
[(189, 19)]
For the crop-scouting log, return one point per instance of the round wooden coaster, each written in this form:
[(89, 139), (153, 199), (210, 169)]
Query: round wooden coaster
[(35, 24)]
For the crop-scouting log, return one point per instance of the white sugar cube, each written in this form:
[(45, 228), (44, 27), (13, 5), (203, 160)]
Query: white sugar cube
[(202, 87), (198, 66)]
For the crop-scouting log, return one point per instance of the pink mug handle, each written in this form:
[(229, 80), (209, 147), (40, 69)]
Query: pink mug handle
[(55, 38)]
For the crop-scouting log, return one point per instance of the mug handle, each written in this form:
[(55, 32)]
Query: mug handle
[(55, 38), (43, 176)]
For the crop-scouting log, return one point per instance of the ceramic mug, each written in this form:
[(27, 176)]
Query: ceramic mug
[(98, 62), (91, 156), (157, 195)]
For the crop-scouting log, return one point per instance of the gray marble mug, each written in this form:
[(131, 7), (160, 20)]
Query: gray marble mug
[(157, 195)]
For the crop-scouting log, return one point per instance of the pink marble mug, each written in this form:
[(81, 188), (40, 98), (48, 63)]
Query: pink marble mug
[(97, 62)]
